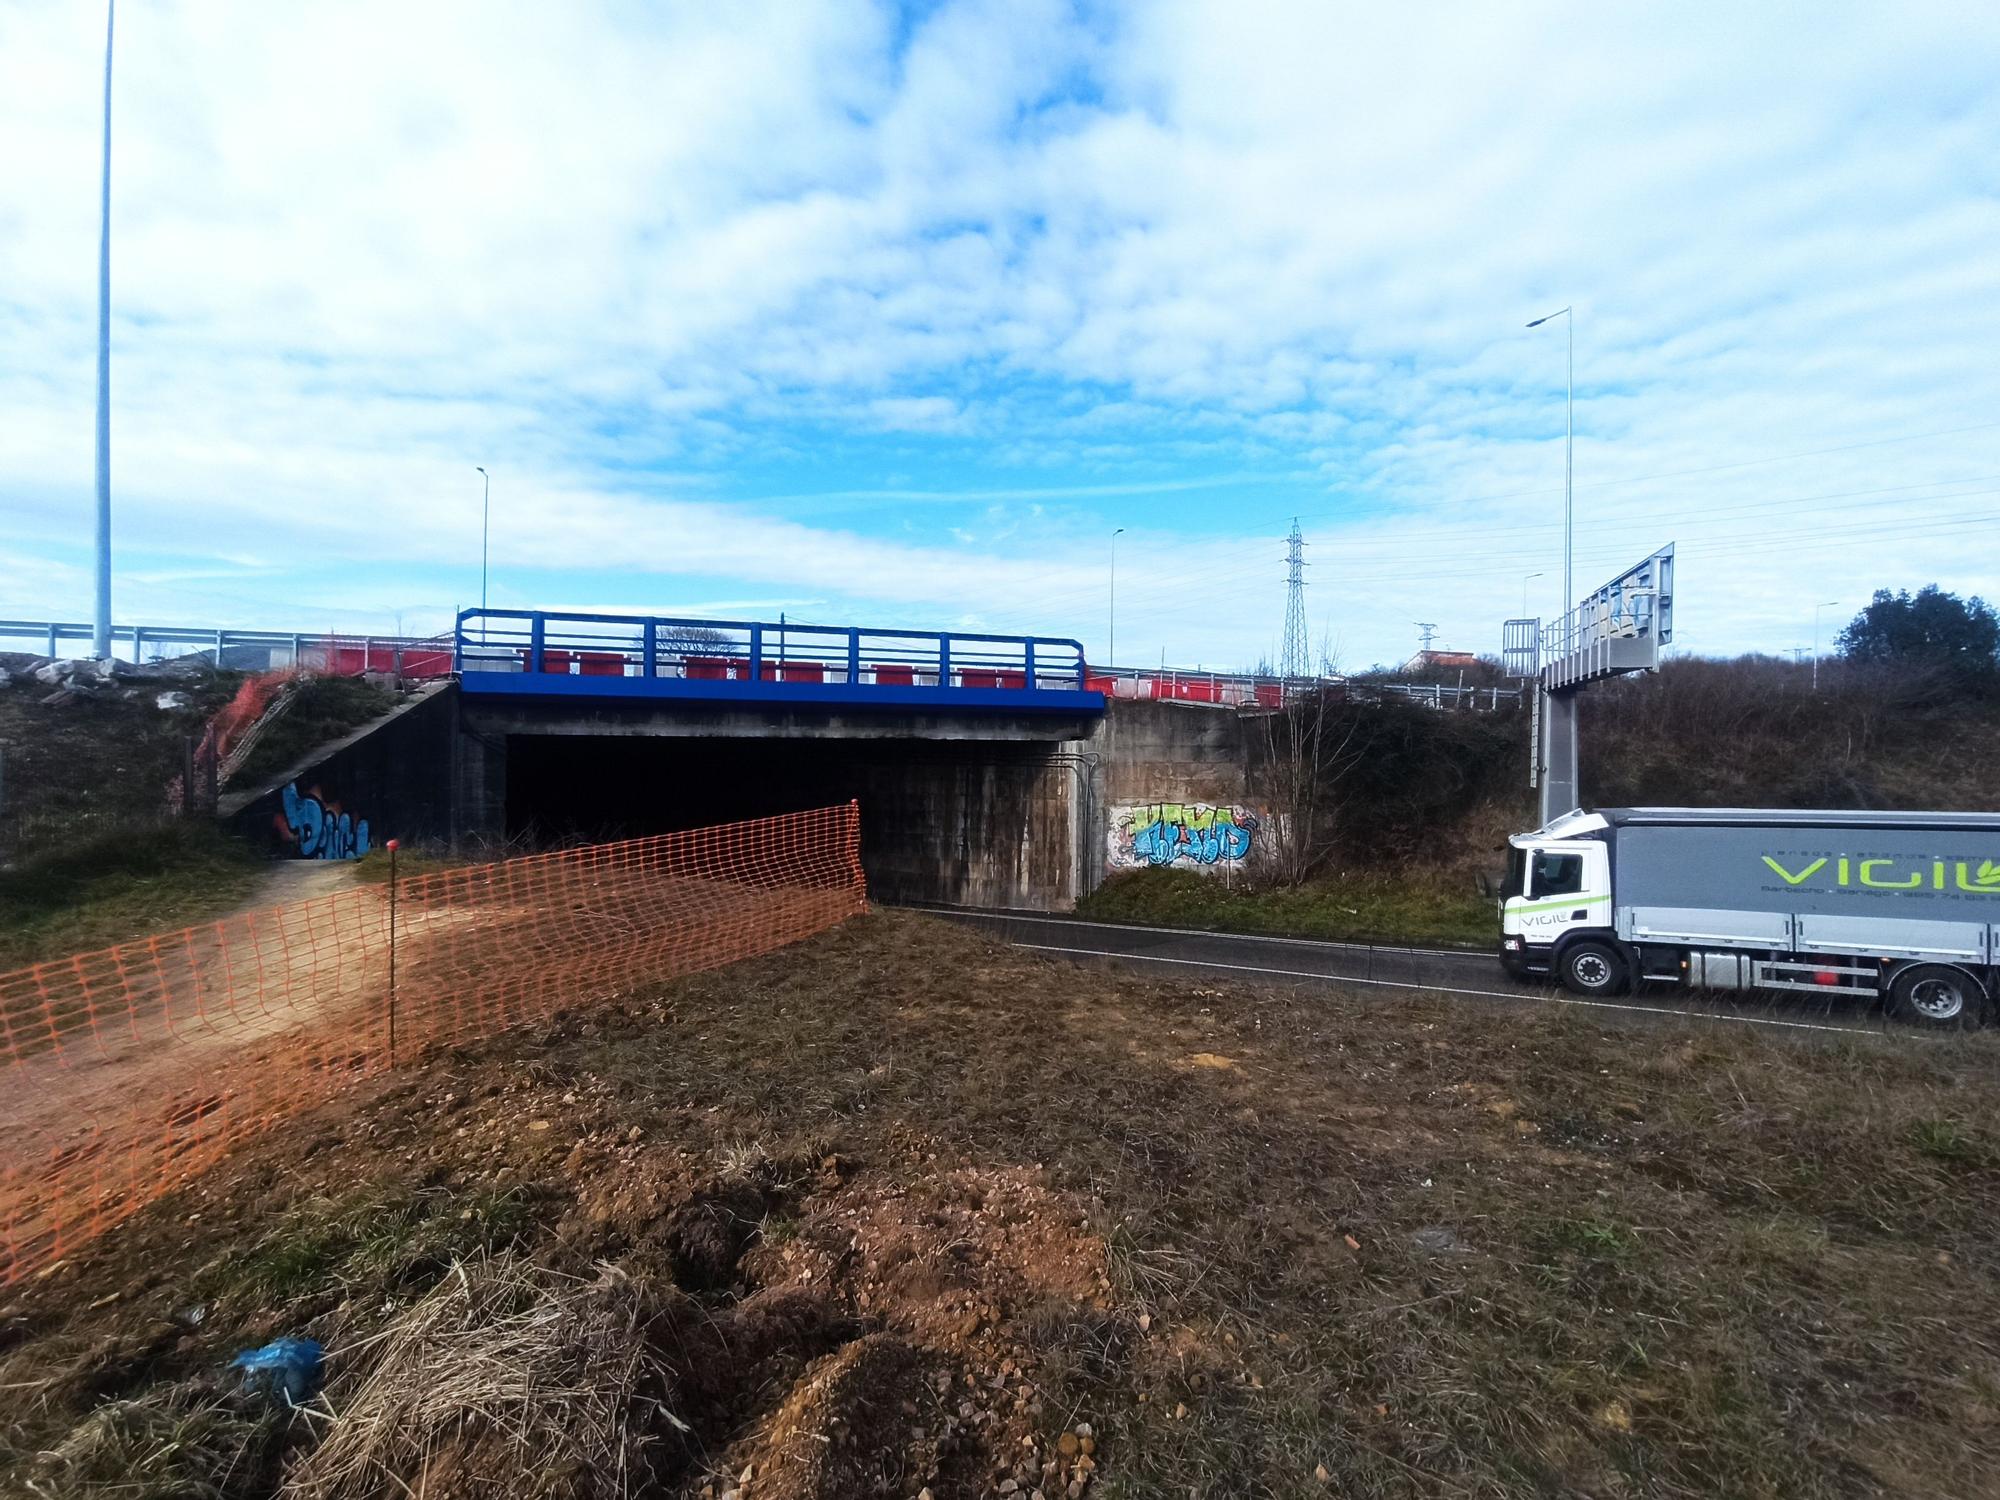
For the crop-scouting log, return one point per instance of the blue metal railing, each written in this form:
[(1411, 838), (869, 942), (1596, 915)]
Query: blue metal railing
[(666, 649)]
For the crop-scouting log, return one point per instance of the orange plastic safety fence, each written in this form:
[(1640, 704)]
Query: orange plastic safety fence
[(130, 1069)]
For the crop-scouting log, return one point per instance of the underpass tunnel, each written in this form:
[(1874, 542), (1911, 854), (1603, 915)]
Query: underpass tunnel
[(972, 822)]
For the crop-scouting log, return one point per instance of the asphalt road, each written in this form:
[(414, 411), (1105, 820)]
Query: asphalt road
[(1365, 967)]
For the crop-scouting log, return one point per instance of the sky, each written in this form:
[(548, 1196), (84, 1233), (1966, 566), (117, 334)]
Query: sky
[(893, 315)]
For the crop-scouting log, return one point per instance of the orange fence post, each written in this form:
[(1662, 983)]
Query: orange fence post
[(853, 832), (394, 844)]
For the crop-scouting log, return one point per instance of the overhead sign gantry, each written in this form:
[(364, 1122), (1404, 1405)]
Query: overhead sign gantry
[(1616, 629)]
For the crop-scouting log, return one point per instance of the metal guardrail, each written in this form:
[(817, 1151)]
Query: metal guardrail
[(1250, 690), (662, 655), (320, 651), (692, 649)]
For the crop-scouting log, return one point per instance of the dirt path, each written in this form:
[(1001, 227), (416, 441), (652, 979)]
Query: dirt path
[(137, 1067), (289, 880)]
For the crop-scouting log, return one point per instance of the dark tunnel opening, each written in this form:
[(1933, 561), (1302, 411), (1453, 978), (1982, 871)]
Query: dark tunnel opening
[(973, 822)]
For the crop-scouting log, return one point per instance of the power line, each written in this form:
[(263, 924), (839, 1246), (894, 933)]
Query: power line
[(1394, 550), (1295, 663)]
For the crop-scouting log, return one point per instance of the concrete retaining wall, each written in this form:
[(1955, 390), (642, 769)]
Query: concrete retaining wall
[(391, 779), (1174, 787), (1031, 816)]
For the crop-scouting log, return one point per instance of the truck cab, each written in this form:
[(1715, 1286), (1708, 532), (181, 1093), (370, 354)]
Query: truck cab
[(1556, 894)]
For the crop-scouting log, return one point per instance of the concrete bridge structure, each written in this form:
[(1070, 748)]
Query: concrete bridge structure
[(988, 769)]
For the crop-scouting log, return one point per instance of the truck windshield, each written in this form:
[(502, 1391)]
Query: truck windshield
[(1558, 874), (1516, 883)]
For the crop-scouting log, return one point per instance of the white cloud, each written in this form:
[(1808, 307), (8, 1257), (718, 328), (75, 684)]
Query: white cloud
[(1182, 268)]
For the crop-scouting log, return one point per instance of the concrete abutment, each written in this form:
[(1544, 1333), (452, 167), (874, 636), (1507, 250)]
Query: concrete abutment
[(980, 809)]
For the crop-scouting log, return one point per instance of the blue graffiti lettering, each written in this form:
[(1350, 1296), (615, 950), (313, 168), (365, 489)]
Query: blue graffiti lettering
[(1167, 833), (319, 831)]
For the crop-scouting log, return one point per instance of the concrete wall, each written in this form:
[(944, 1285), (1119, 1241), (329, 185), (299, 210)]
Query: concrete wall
[(980, 830), (1174, 786), (392, 779), (972, 822), (657, 719), (1019, 812), (974, 809)]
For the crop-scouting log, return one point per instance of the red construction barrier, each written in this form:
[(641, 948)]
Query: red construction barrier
[(421, 662), (791, 671)]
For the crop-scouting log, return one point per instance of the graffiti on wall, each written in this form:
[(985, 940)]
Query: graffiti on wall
[(319, 829), (1194, 835)]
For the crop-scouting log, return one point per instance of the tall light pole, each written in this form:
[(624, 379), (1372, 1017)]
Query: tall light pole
[(485, 516), (1569, 441), (1823, 604), (1111, 650), (101, 634), (1524, 591)]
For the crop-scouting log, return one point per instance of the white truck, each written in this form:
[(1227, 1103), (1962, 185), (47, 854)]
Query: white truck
[(1903, 908)]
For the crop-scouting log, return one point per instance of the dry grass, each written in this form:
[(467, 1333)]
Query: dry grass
[(1429, 1247), (182, 1443), (503, 1380)]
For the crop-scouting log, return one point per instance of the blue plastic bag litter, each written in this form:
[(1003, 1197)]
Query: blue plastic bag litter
[(287, 1368)]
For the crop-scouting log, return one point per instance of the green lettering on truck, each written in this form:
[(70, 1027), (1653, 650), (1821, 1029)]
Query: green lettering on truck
[(1803, 876)]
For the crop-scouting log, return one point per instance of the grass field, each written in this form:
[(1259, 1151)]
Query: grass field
[(898, 1209), (1374, 906), (127, 882), (92, 856)]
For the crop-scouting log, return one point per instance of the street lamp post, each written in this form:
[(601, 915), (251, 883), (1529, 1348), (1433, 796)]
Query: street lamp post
[(1823, 604), (101, 631), (485, 516), (1111, 648), (1569, 448), (1524, 591)]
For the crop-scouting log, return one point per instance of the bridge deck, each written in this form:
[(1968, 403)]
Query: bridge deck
[(544, 655)]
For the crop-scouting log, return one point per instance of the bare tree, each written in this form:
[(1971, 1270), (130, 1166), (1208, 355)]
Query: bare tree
[(685, 640), (1308, 750)]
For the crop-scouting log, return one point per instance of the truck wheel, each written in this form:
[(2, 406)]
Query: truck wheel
[(1935, 996), (1592, 969)]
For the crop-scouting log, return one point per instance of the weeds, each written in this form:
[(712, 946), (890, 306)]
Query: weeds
[(1426, 1247), (1947, 1141), (322, 710), (373, 1236), (1356, 907), (1591, 1237), (146, 877), (181, 1443)]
